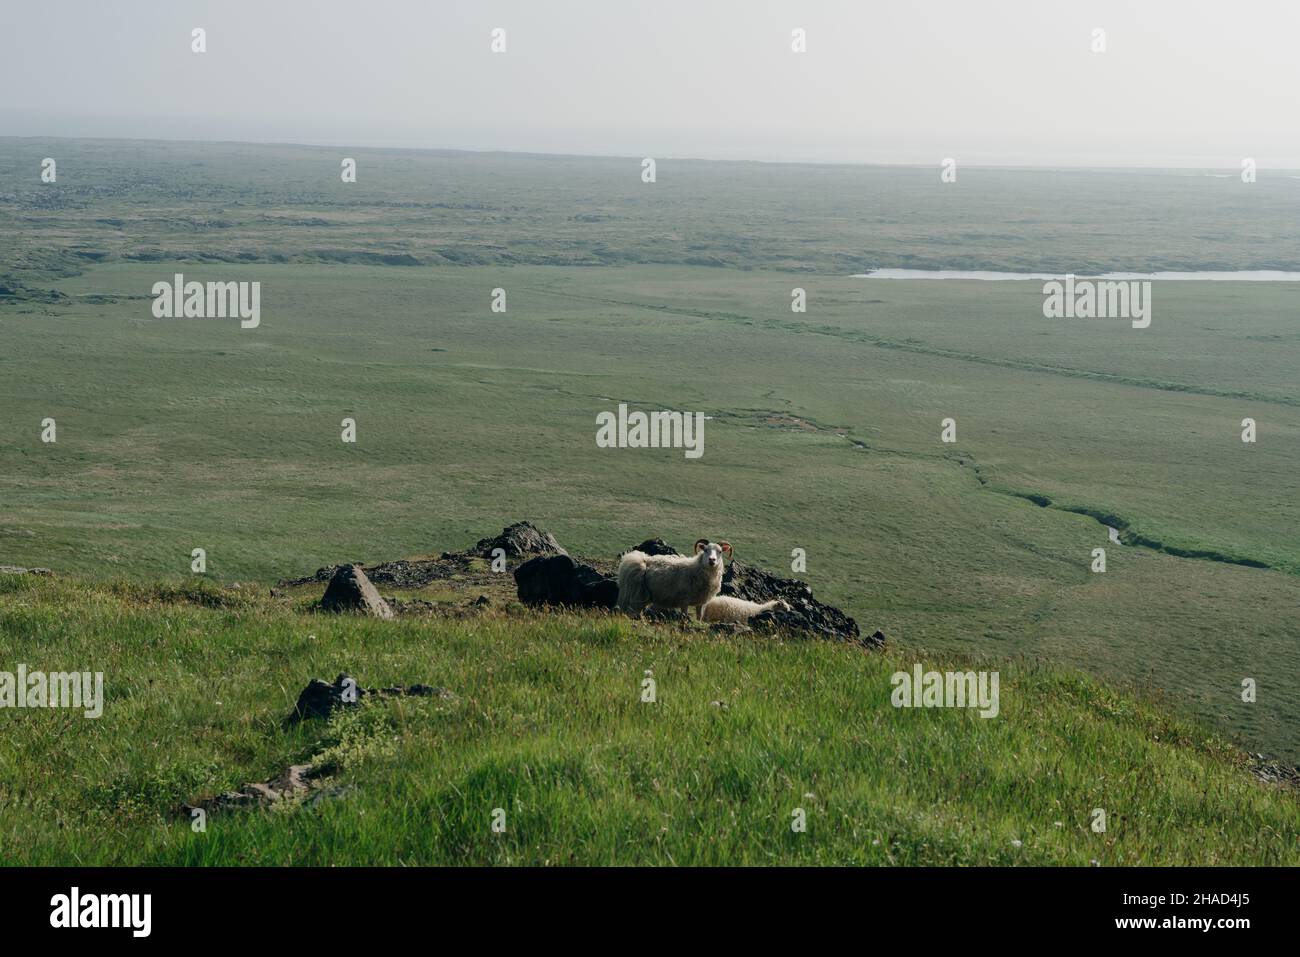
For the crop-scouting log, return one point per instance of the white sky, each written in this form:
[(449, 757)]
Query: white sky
[(1008, 82)]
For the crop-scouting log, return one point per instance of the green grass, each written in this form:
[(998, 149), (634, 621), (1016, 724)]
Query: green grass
[(825, 428), (547, 724), (191, 434)]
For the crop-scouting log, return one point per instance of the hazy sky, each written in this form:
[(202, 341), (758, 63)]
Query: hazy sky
[(1182, 82)]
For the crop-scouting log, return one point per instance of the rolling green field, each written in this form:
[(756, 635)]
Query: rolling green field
[(824, 435), (546, 723)]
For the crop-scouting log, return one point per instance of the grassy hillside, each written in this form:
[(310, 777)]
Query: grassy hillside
[(824, 436), (547, 724), (825, 425)]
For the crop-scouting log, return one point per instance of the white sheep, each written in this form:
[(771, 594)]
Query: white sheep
[(671, 581), (729, 608)]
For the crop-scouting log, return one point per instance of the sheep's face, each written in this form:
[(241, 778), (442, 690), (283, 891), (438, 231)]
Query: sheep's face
[(712, 552)]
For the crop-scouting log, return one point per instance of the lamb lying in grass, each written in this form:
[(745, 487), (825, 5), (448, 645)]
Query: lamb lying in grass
[(671, 581), (727, 608)]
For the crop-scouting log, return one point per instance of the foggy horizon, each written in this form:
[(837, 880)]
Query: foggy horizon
[(1178, 85), (1173, 166)]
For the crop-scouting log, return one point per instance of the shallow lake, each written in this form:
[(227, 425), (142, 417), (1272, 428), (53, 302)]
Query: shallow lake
[(1245, 275)]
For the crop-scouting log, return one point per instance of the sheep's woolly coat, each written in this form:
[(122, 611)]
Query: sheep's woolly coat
[(666, 581), (727, 608)]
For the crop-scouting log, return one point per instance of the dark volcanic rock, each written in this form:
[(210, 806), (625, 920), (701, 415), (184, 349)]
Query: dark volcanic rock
[(404, 573), (754, 584), (351, 590), (806, 614), (319, 699), (550, 576), (656, 546), (295, 782), (518, 540), (1274, 772), (320, 575), (814, 618), (559, 580)]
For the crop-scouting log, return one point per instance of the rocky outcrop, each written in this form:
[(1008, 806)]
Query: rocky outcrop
[(16, 570), (405, 573), (656, 546), (350, 590), (297, 781), (320, 699), (304, 781), (813, 618), (1275, 772), (323, 574), (806, 614), (550, 576), (519, 540), (559, 580)]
